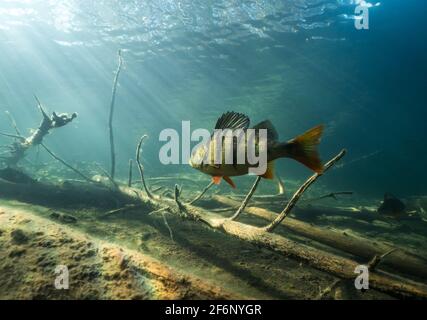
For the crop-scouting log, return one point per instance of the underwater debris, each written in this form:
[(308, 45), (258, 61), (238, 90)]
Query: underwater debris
[(19, 147), (66, 164), (62, 217), (247, 199), (392, 206), (201, 194), (301, 191), (260, 237), (110, 119), (325, 292), (401, 260), (128, 207), (324, 260), (110, 178), (15, 176), (333, 195), (130, 173), (140, 166), (377, 259)]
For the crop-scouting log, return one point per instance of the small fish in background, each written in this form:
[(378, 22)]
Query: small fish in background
[(392, 206), (303, 149)]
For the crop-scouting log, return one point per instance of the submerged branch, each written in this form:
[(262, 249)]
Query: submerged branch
[(402, 261), (247, 199), (13, 136), (110, 119), (329, 289), (332, 195), (378, 258), (110, 178), (123, 209), (13, 122), (177, 195), (130, 173), (43, 112), (332, 263), (165, 221), (301, 191), (202, 193), (67, 165), (140, 167)]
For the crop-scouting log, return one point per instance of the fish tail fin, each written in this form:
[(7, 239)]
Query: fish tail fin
[(303, 149)]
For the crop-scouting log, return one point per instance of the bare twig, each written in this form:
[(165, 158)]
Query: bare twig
[(14, 136), (110, 178), (246, 200), (157, 189), (332, 195), (13, 122), (377, 259), (328, 290), (43, 112), (177, 199), (67, 165), (167, 225), (110, 120), (123, 209), (158, 210), (130, 173), (140, 167), (202, 193), (301, 191)]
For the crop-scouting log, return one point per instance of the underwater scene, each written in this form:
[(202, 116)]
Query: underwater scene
[(213, 150)]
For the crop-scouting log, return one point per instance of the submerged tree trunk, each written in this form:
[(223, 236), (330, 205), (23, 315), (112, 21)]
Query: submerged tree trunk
[(16, 151), (400, 260), (318, 259)]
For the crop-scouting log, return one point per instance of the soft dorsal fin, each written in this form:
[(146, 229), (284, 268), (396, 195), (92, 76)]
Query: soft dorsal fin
[(233, 120), (272, 134)]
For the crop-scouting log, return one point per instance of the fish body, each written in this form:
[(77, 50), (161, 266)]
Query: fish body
[(302, 148)]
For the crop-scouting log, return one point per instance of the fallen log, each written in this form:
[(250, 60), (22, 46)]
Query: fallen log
[(90, 194), (399, 260), (70, 193), (336, 265)]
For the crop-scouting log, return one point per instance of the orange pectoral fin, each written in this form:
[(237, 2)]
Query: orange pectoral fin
[(230, 182), (216, 179)]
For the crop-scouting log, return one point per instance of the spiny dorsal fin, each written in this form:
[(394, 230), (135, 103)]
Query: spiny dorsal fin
[(272, 134), (233, 120)]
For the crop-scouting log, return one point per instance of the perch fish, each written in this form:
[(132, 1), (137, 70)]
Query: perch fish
[(303, 149)]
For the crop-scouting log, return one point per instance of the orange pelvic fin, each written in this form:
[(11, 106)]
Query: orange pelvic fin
[(230, 182), (216, 179)]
